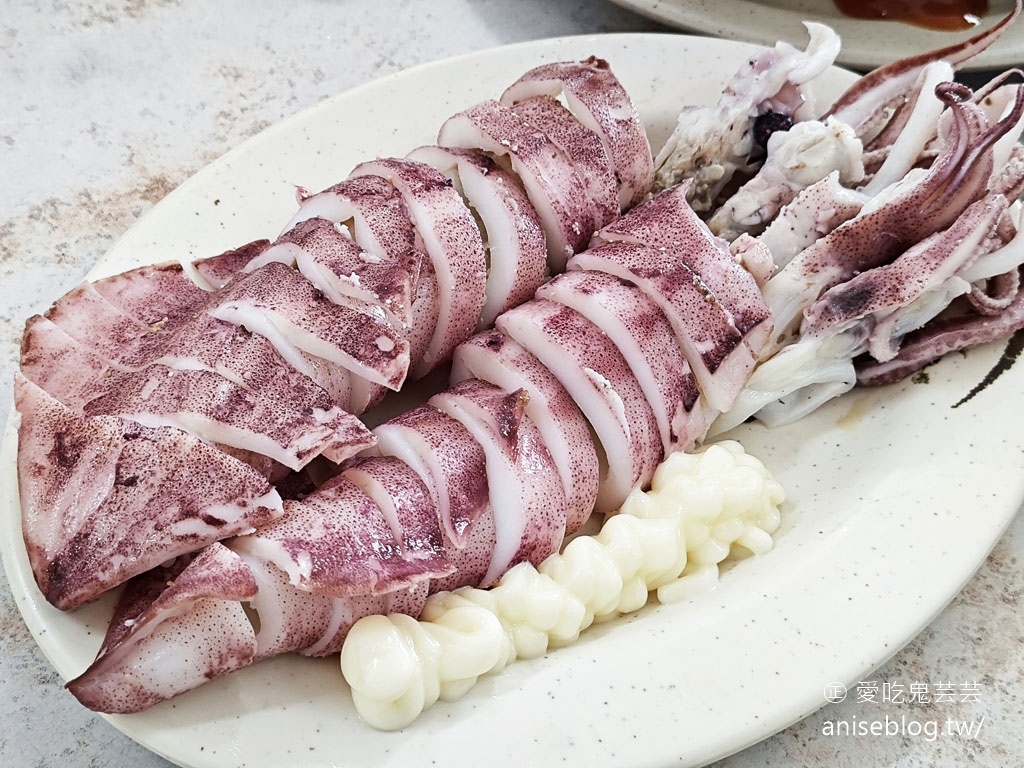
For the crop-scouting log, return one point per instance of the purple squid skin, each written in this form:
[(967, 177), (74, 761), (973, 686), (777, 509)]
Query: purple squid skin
[(549, 175), (96, 324), (338, 266), (527, 499), (212, 588), (600, 102), (119, 470), (381, 225), (646, 339), (158, 340), (594, 372), (956, 178), (311, 613), (668, 223), (362, 342), (313, 620), (217, 271), (898, 283), (584, 148), (493, 357), (711, 342), (451, 239), (405, 502), (861, 105), (516, 246), (453, 464), (938, 339), (336, 541), (997, 294)]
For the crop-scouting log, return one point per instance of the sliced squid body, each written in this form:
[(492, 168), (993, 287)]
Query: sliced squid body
[(357, 281), (212, 380), (313, 624), (371, 207), (516, 248), (85, 315), (710, 341), (449, 461), (163, 640), (254, 363), (582, 146), (667, 223), (453, 466), (214, 272), (269, 420), (123, 315), (472, 557), (599, 379), (156, 295), (59, 364), (104, 499), (292, 619), (600, 103), (507, 463), (451, 239), (377, 217), (640, 331), (277, 302), (404, 500), (337, 541), (526, 494), (493, 357), (552, 182), (325, 253), (159, 357)]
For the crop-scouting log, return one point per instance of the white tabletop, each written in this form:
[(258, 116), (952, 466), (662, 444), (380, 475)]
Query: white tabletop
[(106, 107)]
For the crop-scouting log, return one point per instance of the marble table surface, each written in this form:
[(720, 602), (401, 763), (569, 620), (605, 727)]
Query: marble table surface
[(108, 105)]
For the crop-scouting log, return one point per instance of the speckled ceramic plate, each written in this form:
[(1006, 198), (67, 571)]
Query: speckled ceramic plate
[(895, 497), (866, 44)]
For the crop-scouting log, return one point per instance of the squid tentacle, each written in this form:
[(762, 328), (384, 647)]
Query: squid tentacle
[(887, 85)]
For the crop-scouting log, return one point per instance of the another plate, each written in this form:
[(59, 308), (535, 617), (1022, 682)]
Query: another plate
[(895, 498), (866, 44)]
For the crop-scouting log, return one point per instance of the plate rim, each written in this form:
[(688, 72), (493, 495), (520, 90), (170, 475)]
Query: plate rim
[(863, 47)]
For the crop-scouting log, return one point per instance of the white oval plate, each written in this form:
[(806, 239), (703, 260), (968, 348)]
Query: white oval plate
[(866, 44), (895, 498)]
